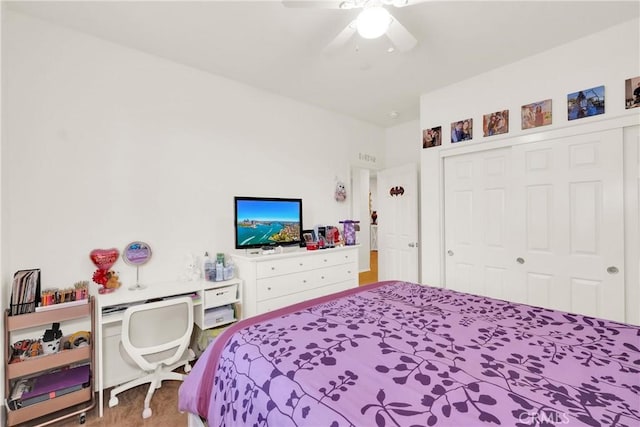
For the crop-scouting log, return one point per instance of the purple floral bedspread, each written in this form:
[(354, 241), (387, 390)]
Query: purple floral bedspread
[(402, 354)]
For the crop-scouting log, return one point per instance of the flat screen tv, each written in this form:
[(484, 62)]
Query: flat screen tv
[(267, 221)]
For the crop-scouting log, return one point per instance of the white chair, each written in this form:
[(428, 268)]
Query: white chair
[(156, 336)]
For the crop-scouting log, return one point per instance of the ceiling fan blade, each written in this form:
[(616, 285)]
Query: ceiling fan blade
[(341, 38), (401, 38), (315, 4)]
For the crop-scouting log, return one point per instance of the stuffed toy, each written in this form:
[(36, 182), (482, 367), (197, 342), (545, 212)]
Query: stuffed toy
[(341, 192), (191, 271), (108, 279), (113, 281)]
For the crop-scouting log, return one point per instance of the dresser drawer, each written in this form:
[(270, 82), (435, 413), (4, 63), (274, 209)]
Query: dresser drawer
[(278, 286), (328, 258), (284, 266), (283, 301)]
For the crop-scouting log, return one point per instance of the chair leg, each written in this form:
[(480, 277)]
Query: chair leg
[(126, 386), (146, 413)]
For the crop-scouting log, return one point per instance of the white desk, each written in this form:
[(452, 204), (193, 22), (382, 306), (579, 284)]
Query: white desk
[(125, 296)]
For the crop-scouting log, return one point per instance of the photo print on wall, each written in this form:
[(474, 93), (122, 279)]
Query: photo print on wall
[(632, 93), (585, 103), (495, 123), (462, 130), (432, 137), (536, 114)]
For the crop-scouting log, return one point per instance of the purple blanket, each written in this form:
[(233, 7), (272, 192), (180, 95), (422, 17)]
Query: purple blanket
[(402, 354)]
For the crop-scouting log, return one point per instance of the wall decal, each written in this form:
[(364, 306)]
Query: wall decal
[(396, 191)]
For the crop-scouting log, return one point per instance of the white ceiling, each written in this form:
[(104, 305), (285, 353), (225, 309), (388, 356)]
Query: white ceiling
[(279, 49)]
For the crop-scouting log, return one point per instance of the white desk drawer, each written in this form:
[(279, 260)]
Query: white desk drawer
[(220, 296), (273, 287)]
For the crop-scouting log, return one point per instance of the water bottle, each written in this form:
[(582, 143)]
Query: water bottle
[(219, 267), (209, 268)]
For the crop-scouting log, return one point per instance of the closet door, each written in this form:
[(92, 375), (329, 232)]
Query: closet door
[(478, 246), (540, 223), (568, 223)]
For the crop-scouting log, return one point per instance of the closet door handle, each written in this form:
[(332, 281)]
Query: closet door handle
[(613, 270)]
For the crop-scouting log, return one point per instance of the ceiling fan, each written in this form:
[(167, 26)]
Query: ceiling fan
[(373, 21)]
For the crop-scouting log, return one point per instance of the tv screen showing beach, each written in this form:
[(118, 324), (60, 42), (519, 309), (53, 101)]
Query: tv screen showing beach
[(267, 222)]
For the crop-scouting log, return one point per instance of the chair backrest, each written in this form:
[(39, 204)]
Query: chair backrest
[(158, 332)]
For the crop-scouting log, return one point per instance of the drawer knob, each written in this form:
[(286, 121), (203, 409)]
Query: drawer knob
[(325, 260), (322, 277), (273, 268), (304, 281), (269, 288)]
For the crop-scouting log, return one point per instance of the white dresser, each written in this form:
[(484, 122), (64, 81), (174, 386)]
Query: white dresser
[(277, 280)]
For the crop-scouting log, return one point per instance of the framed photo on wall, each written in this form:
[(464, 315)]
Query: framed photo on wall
[(432, 137), (536, 114), (585, 103), (632, 93), (495, 123), (462, 130)]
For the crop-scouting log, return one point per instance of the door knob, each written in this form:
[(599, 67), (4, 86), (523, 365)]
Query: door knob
[(450, 252), (612, 270)]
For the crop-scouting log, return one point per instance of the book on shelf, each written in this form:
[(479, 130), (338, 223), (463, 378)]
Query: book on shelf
[(32, 390), (25, 291)]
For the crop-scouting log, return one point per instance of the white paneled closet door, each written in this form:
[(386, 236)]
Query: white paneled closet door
[(540, 223), (478, 245), (570, 238)]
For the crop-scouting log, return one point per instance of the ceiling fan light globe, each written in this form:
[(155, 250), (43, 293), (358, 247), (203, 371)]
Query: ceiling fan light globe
[(373, 22)]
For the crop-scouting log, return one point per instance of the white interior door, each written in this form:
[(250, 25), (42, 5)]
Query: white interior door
[(398, 224), (570, 236), (540, 223)]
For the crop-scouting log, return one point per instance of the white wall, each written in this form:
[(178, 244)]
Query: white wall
[(606, 58), (104, 145), (403, 144), (2, 252)]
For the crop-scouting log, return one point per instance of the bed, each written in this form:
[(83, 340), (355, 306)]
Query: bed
[(402, 354)]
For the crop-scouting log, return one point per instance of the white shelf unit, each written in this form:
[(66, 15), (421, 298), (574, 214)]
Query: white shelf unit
[(277, 280), (216, 295)]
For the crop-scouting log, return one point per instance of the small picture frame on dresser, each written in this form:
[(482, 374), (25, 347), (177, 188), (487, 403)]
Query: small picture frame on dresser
[(307, 237)]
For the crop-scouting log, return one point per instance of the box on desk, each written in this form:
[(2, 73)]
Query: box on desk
[(219, 314)]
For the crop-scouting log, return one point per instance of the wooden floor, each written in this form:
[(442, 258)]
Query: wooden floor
[(128, 413), (370, 276)]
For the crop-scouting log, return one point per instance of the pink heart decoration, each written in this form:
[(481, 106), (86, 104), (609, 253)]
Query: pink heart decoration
[(104, 258)]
